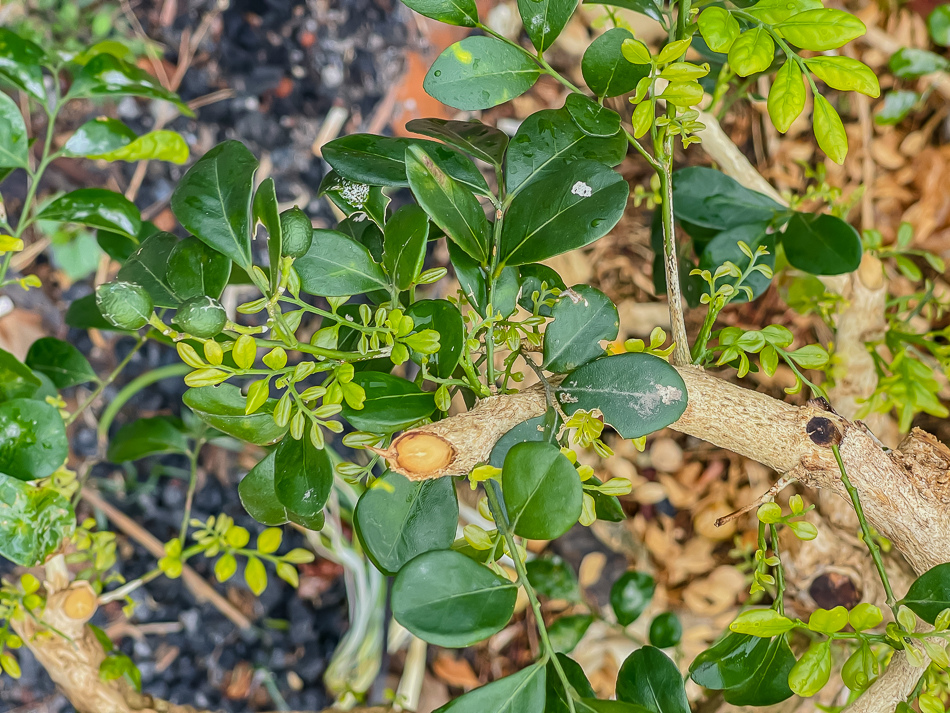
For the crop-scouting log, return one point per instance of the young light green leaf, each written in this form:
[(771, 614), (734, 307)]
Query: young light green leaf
[(812, 671), (452, 12), (845, 74), (761, 622), (829, 130), (36, 521), (719, 28), (821, 29), (636, 52), (752, 52), (787, 96)]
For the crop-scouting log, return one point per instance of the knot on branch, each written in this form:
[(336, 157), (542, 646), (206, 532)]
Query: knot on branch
[(823, 432)]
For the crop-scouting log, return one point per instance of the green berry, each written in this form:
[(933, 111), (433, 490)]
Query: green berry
[(296, 233), (124, 305), (201, 317)]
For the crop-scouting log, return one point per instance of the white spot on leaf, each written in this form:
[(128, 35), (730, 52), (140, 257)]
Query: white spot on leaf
[(581, 189)]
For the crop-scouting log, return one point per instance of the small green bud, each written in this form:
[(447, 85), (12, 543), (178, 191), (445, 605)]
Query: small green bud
[(124, 305), (202, 317), (296, 233)]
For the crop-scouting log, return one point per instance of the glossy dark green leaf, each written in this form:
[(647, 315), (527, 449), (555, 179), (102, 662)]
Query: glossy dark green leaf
[(606, 507), (522, 692), (543, 493), (479, 73), (120, 247), (303, 476), (443, 317), (638, 393), (196, 270), (99, 136), (630, 595), (366, 233), (358, 201), (930, 593), (725, 246), (20, 62), (730, 663), (398, 519), (649, 678), (473, 137), (911, 63), (528, 431), (578, 204), (583, 316), (381, 161), (451, 12), (665, 630), (545, 19), (644, 7), (404, 245), (96, 208), (507, 289), (14, 142), (264, 210), (35, 521), (553, 578), (337, 265), (148, 266), (147, 437), (549, 135), (556, 697), (33, 441), (213, 200), (821, 244), (108, 76), (709, 198), (258, 495), (447, 599), (769, 684), (534, 277), (391, 404), (17, 381), (606, 71), (60, 361), (592, 118), (471, 277), (451, 205), (592, 705), (222, 407), (565, 632)]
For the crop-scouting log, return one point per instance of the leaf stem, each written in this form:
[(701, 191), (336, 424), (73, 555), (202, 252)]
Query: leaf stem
[(108, 380), (192, 484), (132, 388)]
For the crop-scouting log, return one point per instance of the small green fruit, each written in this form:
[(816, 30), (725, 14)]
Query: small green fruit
[(201, 317), (296, 233), (124, 305)]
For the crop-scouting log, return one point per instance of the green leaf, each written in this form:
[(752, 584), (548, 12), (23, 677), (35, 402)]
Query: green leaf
[(636, 52), (35, 521), (772, 12), (20, 62), (479, 73), (769, 684), (574, 206), (120, 247), (938, 24), (605, 70), (108, 76), (258, 495), (911, 63), (861, 669), (787, 96), (650, 8), (845, 74), (821, 29), (545, 19), (683, 94), (565, 632), (533, 278), (556, 697), (147, 437), (222, 407), (549, 135), (630, 595), (665, 630), (761, 622), (443, 317), (82, 314), (542, 491), (196, 270), (451, 205), (719, 28), (821, 244), (649, 678), (303, 476), (812, 671), (391, 404), (60, 361), (730, 663), (828, 621), (709, 198), (213, 200), (553, 578), (930, 593), (752, 52), (865, 616), (404, 245), (583, 316), (397, 519), (336, 265), (473, 137), (592, 705), (529, 431), (264, 210), (111, 140), (590, 117), (451, 12), (33, 441), (147, 267), (17, 381), (14, 142), (96, 208), (447, 599), (522, 692), (725, 246), (638, 393)]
